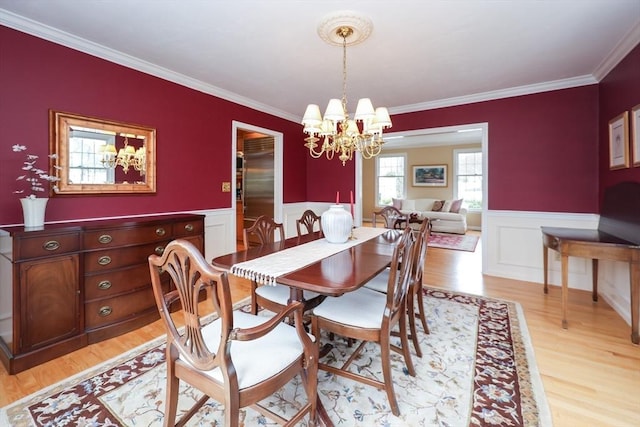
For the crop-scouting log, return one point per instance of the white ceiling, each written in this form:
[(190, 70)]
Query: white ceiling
[(420, 54)]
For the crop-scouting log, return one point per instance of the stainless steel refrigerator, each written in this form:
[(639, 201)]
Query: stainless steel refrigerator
[(258, 180)]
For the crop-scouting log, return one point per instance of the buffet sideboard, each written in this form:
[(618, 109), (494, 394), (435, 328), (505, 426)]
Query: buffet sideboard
[(73, 284)]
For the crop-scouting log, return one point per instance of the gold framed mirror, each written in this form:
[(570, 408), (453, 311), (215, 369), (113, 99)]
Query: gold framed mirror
[(97, 156)]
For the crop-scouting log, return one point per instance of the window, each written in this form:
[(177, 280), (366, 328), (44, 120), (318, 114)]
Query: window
[(468, 177), (85, 155), (390, 178)]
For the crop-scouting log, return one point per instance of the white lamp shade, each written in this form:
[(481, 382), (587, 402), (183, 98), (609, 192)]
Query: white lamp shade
[(352, 128), (364, 110), (382, 118), (334, 110), (312, 129), (109, 149), (327, 127), (312, 116)]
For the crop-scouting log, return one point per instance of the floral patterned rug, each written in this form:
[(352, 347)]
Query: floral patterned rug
[(477, 369), (459, 242)]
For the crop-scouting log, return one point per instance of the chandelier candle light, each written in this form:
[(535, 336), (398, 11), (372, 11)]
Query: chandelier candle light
[(339, 133)]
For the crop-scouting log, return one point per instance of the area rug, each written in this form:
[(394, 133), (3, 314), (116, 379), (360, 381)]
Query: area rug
[(477, 369), (459, 242)]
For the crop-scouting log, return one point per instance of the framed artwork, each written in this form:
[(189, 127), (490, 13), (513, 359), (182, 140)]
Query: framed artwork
[(635, 134), (619, 141), (430, 176)]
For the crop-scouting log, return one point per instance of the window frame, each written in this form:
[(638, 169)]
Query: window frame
[(404, 156), (456, 151)]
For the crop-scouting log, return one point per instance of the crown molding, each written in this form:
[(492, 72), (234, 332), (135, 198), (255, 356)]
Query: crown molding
[(496, 94), (20, 23), (63, 38), (619, 52)]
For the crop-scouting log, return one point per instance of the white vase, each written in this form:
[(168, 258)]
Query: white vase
[(336, 224), (33, 211)]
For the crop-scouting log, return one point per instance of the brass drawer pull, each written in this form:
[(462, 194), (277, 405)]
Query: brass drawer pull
[(160, 231), (104, 260), (105, 311), (105, 284), (105, 238), (189, 227), (159, 250), (51, 245)]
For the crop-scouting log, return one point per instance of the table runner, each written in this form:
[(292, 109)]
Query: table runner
[(266, 269)]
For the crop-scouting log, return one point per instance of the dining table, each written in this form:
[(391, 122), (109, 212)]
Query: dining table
[(310, 263)]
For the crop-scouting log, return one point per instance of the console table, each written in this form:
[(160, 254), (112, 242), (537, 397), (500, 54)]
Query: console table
[(617, 238), (73, 284)]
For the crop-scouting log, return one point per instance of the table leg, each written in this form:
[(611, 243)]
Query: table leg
[(594, 279), (322, 418), (545, 263), (634, 269), (565, 288)]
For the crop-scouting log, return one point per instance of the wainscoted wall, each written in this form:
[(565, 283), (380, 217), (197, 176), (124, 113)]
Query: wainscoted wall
[(512, 248)]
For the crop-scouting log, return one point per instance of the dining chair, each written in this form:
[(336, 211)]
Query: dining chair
[(391, 216), (237, 359), (264, 230), (415, 296), (308, 220), (369, 316), (271, 297)]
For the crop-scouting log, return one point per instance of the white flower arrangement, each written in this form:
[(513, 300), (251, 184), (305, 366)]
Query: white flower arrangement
[(34, 176)]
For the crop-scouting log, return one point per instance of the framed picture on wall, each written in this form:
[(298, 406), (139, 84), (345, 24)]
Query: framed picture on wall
[(619, 141), (430, 176), (635, 134)]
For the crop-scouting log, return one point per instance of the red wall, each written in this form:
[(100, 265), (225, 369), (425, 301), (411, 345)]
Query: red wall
[(542, 148), (193, 129), (619, 92), (547, 151)]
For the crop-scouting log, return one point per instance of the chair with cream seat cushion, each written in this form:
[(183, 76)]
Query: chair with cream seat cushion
[(272, 297), (391, 217), (415, 295), (219, 357), (369, 316), (307, 222)]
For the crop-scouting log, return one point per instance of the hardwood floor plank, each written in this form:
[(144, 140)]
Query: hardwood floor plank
[(590, 372)]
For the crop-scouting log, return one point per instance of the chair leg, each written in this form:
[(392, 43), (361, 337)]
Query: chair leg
[(254, 302), (385, 350), (422, 315), (171, 406), (404, 339), (412, 322)]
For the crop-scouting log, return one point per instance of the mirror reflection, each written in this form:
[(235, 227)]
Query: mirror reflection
[(94, 156)]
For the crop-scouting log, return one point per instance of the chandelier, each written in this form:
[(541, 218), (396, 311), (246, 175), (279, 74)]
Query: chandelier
[(127, 157), (338, 133)]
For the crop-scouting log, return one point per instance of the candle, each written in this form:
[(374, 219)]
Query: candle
[(351, 196), (337, 197)]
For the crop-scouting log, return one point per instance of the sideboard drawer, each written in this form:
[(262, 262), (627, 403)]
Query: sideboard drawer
[(103, 285), (111, 310), (188, 228), (121, 257), (47, 245), (116, 237)]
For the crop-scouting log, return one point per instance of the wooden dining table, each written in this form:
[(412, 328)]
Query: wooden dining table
[(334, 275)]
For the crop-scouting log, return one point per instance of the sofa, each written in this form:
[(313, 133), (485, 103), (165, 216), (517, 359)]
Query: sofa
[(448, 216)]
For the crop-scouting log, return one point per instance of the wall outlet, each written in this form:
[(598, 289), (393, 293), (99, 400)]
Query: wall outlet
[(226, 187)]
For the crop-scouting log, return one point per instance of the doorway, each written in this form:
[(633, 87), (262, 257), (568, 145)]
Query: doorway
[(257, 167)]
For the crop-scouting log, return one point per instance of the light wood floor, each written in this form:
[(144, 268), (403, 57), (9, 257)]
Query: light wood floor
[(590, 372)]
